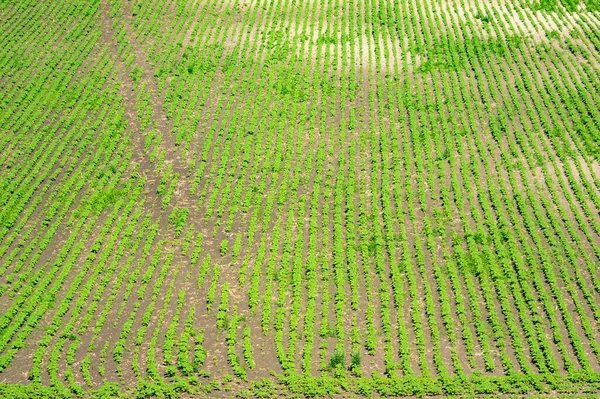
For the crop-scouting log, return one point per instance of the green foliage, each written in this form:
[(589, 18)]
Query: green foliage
[(547, 5), (397, 178), (136, 74), (100, 201), (262, 389), (223, 247), (325, 39), (178, 219), (482, 17), (570, 5), (355, 361), (449, 53), (337, 360), (578, 382)]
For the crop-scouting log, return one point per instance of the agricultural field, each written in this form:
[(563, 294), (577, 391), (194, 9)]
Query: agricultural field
[(285, 198)]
